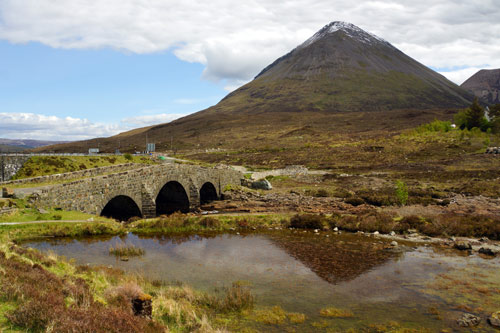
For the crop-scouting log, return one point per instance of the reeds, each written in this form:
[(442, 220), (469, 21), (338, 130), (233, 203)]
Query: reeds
[(126, 250)]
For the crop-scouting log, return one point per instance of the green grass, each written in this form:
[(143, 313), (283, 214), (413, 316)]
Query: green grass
[(48, 165), (126, 250), (32, 214), (22, 232)]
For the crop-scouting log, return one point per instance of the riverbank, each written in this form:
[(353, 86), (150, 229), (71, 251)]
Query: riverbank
[(103, 290)]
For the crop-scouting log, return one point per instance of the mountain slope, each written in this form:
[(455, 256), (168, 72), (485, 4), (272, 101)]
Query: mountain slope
[(485, 84), (341, 80)]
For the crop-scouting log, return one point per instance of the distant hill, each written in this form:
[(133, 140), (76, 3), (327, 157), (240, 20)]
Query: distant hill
[(28, 143), (341, 80), (485, 84), (11, 149)]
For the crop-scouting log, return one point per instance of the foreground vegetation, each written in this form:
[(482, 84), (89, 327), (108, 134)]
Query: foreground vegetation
[(45, 292)]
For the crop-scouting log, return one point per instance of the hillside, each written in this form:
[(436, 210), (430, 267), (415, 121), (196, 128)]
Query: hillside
[(485, 84), (341, 80)]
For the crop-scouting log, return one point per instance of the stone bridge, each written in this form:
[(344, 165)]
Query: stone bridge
[(146, 192)]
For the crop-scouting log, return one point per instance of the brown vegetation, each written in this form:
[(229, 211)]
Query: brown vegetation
[(61, 304)]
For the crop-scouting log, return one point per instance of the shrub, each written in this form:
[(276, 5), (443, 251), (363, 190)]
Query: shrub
[(336, 313), (435, 126), (321, 193), (307, 221), (123, 250), (210, 222), (401, 192), (128, 156), (237, 298)]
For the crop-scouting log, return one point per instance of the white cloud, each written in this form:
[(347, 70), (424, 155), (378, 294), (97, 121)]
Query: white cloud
[(460, 75), (152, 119), (236, 39), (42, 127)]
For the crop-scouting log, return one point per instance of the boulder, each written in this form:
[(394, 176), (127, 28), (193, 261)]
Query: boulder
[(488, 251), (463, 246), (143, 305), (494, 319), (7, 192), (468, 320), (262, 184)]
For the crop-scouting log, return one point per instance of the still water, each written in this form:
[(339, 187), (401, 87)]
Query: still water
[(418, 287)]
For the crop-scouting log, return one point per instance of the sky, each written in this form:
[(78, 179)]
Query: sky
[(78, 69)]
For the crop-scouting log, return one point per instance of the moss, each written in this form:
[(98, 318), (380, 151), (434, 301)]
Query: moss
[(336, 313), (272, 316), (296, 318)]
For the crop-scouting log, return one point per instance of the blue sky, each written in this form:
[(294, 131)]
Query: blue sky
[(72, 69), (105, 85)]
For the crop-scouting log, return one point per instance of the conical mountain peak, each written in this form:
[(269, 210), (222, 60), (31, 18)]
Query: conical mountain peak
[(348, 29)]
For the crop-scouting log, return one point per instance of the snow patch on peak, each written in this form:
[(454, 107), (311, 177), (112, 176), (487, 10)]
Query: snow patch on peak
[(349, 29)]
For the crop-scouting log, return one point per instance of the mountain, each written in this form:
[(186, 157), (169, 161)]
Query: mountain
[(341, 80), (485, 84), (21, 144), (10, 149)]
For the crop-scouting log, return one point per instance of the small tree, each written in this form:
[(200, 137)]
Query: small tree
[(475, 115), (494, 112), (472, 117), (401, 192)]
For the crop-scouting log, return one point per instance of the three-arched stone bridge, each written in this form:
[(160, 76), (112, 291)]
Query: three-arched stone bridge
[(147, 192)]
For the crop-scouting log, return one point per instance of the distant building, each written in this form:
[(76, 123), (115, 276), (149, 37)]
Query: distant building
[(93, 151)]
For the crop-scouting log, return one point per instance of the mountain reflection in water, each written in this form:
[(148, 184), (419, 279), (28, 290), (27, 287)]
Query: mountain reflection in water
[(333, 259)]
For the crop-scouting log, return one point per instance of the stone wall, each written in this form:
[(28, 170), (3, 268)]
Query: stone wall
[(75, 175), (10, 164), (142, 185)]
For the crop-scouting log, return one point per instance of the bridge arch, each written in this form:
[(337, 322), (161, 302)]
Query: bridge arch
[(172, 198), (122, 208), (208, 193)]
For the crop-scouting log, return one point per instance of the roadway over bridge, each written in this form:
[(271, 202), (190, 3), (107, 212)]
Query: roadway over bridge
[(147, 192)]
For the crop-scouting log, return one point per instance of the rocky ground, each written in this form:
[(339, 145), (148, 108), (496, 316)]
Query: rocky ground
[(249, 201)]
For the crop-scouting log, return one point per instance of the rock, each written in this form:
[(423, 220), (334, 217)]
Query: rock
[(42, 211), (393, 233), (90, 219), (143, 305), (335, 229), (226, 196), (463, 246), (262, 184), (376, 233), (488, 251), (394, 243), (494, 319), (484, 239), (468, 320), (316, 230), (7, 192)]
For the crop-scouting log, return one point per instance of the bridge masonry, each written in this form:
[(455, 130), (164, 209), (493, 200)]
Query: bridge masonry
[(10, 164), (141, 185)]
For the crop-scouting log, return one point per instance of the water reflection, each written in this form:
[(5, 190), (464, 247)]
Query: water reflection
[(336, 258), (304, 272)]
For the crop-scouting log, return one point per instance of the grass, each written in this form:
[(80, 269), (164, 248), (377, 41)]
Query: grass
[(40, 292), (124, 250), (48, 165), (336, 313)]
